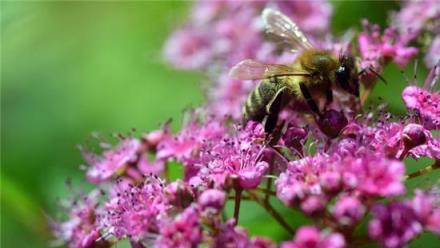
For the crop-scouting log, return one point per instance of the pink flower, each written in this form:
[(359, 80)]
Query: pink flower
[(348, 210), (179, 194), (112, 161), (376, 49), (301, 182), (374, 175), (183, 145), (311, 237), (147, 166), (189, 48), (394, 225), (136, 211), (414, 15), (236, 157), (81, 230), (430, 150), (184, 231), (426, 209), (426, 104), (231, 235), (228, 96), (213, 199), (312, 16)]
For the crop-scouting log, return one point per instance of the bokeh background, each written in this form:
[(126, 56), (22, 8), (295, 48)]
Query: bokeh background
[(72, 68)]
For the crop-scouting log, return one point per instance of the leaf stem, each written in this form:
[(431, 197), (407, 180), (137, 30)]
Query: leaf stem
[(423, 171), (266, 191), (238, 192)]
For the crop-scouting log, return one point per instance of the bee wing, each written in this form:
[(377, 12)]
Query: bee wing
[(280, 28), (250, 70)]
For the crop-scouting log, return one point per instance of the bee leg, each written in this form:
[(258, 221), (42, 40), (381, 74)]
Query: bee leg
[(309, 99), (273, 109), (329, 95)]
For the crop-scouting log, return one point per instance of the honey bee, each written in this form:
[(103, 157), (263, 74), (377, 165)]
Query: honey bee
[(311, 78)]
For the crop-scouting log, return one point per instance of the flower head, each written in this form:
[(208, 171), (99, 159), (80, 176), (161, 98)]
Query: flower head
[(311, 237), (136, 211), (112, 161), (348, 210), (374, 175), (377, 49), (237, 157), (183, 231), (394, 225), (81, 230), (425, 103)]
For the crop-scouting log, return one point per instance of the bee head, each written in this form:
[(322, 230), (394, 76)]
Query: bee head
[(346, 75)]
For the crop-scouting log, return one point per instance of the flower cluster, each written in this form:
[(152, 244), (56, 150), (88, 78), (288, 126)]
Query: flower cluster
[(342, 168)]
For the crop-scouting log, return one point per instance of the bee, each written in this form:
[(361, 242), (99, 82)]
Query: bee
[(311, 78)]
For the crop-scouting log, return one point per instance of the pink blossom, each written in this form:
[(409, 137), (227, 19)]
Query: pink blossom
[(311, 16), (425, 103), (81, 230), (179, 194), (372, 174), (190, 139), (427, 210), (414, 15), (300, 179), (377, 49), (430, 150), (311, 237), (148, 166), (189, 49), (236, 157), (136, 212), (184, 231), (213, 199), (231, 235), (112, 161), (348, 210), (394, 225), (301, 182), (229, 96)]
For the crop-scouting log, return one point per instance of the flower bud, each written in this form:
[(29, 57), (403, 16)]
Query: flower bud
[(413, 135), (212, 198), (348, 210), (330, 181), (313, 205), (332, 122), (179, 194)]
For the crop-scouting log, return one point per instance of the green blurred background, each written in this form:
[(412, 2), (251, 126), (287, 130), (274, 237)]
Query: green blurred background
[(71, 68)]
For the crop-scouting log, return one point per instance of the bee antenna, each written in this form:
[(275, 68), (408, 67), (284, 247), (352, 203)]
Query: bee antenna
[(378, 75)]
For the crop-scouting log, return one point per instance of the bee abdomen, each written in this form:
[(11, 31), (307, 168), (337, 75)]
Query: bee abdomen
[(255, 106)]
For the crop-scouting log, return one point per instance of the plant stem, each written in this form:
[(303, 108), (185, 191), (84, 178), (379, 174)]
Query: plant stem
[(271, 211), (243, 198), (269, 182), (238, 192), (266, 191), (424, 171)]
